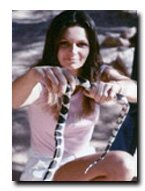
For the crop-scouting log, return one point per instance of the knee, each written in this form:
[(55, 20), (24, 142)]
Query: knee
[(124, 165)]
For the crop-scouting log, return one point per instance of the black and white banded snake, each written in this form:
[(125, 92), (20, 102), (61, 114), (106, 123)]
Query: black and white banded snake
[(59, 130)]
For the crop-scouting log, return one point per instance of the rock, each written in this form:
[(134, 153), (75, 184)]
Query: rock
[(111, 41)]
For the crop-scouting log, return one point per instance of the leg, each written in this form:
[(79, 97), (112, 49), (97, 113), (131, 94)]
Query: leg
[(117, 166)]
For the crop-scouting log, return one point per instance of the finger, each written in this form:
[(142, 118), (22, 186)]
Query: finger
[(70, 79), (108, 92), (103, 89), (100, 89), (41, 73), (46, 80), (107, 89), (61, 79), (52, 80), (112, 92), (94, 92)]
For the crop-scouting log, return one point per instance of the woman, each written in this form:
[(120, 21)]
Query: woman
[(71, 50)]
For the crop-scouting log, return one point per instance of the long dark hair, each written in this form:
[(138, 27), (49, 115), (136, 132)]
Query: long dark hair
[(56, 29)]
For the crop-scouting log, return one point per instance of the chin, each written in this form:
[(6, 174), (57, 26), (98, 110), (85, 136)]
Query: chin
[(76, 66)]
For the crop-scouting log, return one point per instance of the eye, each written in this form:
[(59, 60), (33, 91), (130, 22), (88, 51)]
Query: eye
[(63, 44), (83, 44)]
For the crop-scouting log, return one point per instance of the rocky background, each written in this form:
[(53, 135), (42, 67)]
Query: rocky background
[(116, 31)]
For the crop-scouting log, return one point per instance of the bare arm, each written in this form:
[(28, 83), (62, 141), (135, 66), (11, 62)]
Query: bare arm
[(110, 83), (22, 87), (128, 87), (55, 80)]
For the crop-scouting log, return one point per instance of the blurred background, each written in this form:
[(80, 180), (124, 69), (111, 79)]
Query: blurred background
[(116, 31)]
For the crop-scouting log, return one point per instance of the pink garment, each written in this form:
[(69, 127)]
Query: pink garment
[(77, 135), (78, 131)]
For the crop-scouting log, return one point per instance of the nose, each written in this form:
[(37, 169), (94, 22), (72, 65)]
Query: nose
[(74, 48)]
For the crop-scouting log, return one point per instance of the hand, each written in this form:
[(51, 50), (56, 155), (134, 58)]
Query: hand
[(102, 92), (55, 79)]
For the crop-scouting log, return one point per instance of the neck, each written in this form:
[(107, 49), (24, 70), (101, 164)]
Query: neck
[(74, 72)]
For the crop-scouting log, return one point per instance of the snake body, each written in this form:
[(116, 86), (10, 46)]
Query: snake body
[(59, 130)]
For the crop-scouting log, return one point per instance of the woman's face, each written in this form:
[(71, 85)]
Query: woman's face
[(73, 49)]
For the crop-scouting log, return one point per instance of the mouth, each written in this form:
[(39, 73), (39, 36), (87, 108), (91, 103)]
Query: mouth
[(73, 60)]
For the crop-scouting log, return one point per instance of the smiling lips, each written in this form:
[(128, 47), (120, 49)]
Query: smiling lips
[(73, 60)]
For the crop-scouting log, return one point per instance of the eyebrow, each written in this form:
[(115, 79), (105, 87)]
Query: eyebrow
[(82, 40)]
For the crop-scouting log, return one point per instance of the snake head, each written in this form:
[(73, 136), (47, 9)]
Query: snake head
[(83, 82)]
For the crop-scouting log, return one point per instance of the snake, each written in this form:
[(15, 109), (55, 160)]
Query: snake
[(60, 126)]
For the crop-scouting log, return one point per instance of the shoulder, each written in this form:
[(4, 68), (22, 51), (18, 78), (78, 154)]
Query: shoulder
[(108, 73)]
